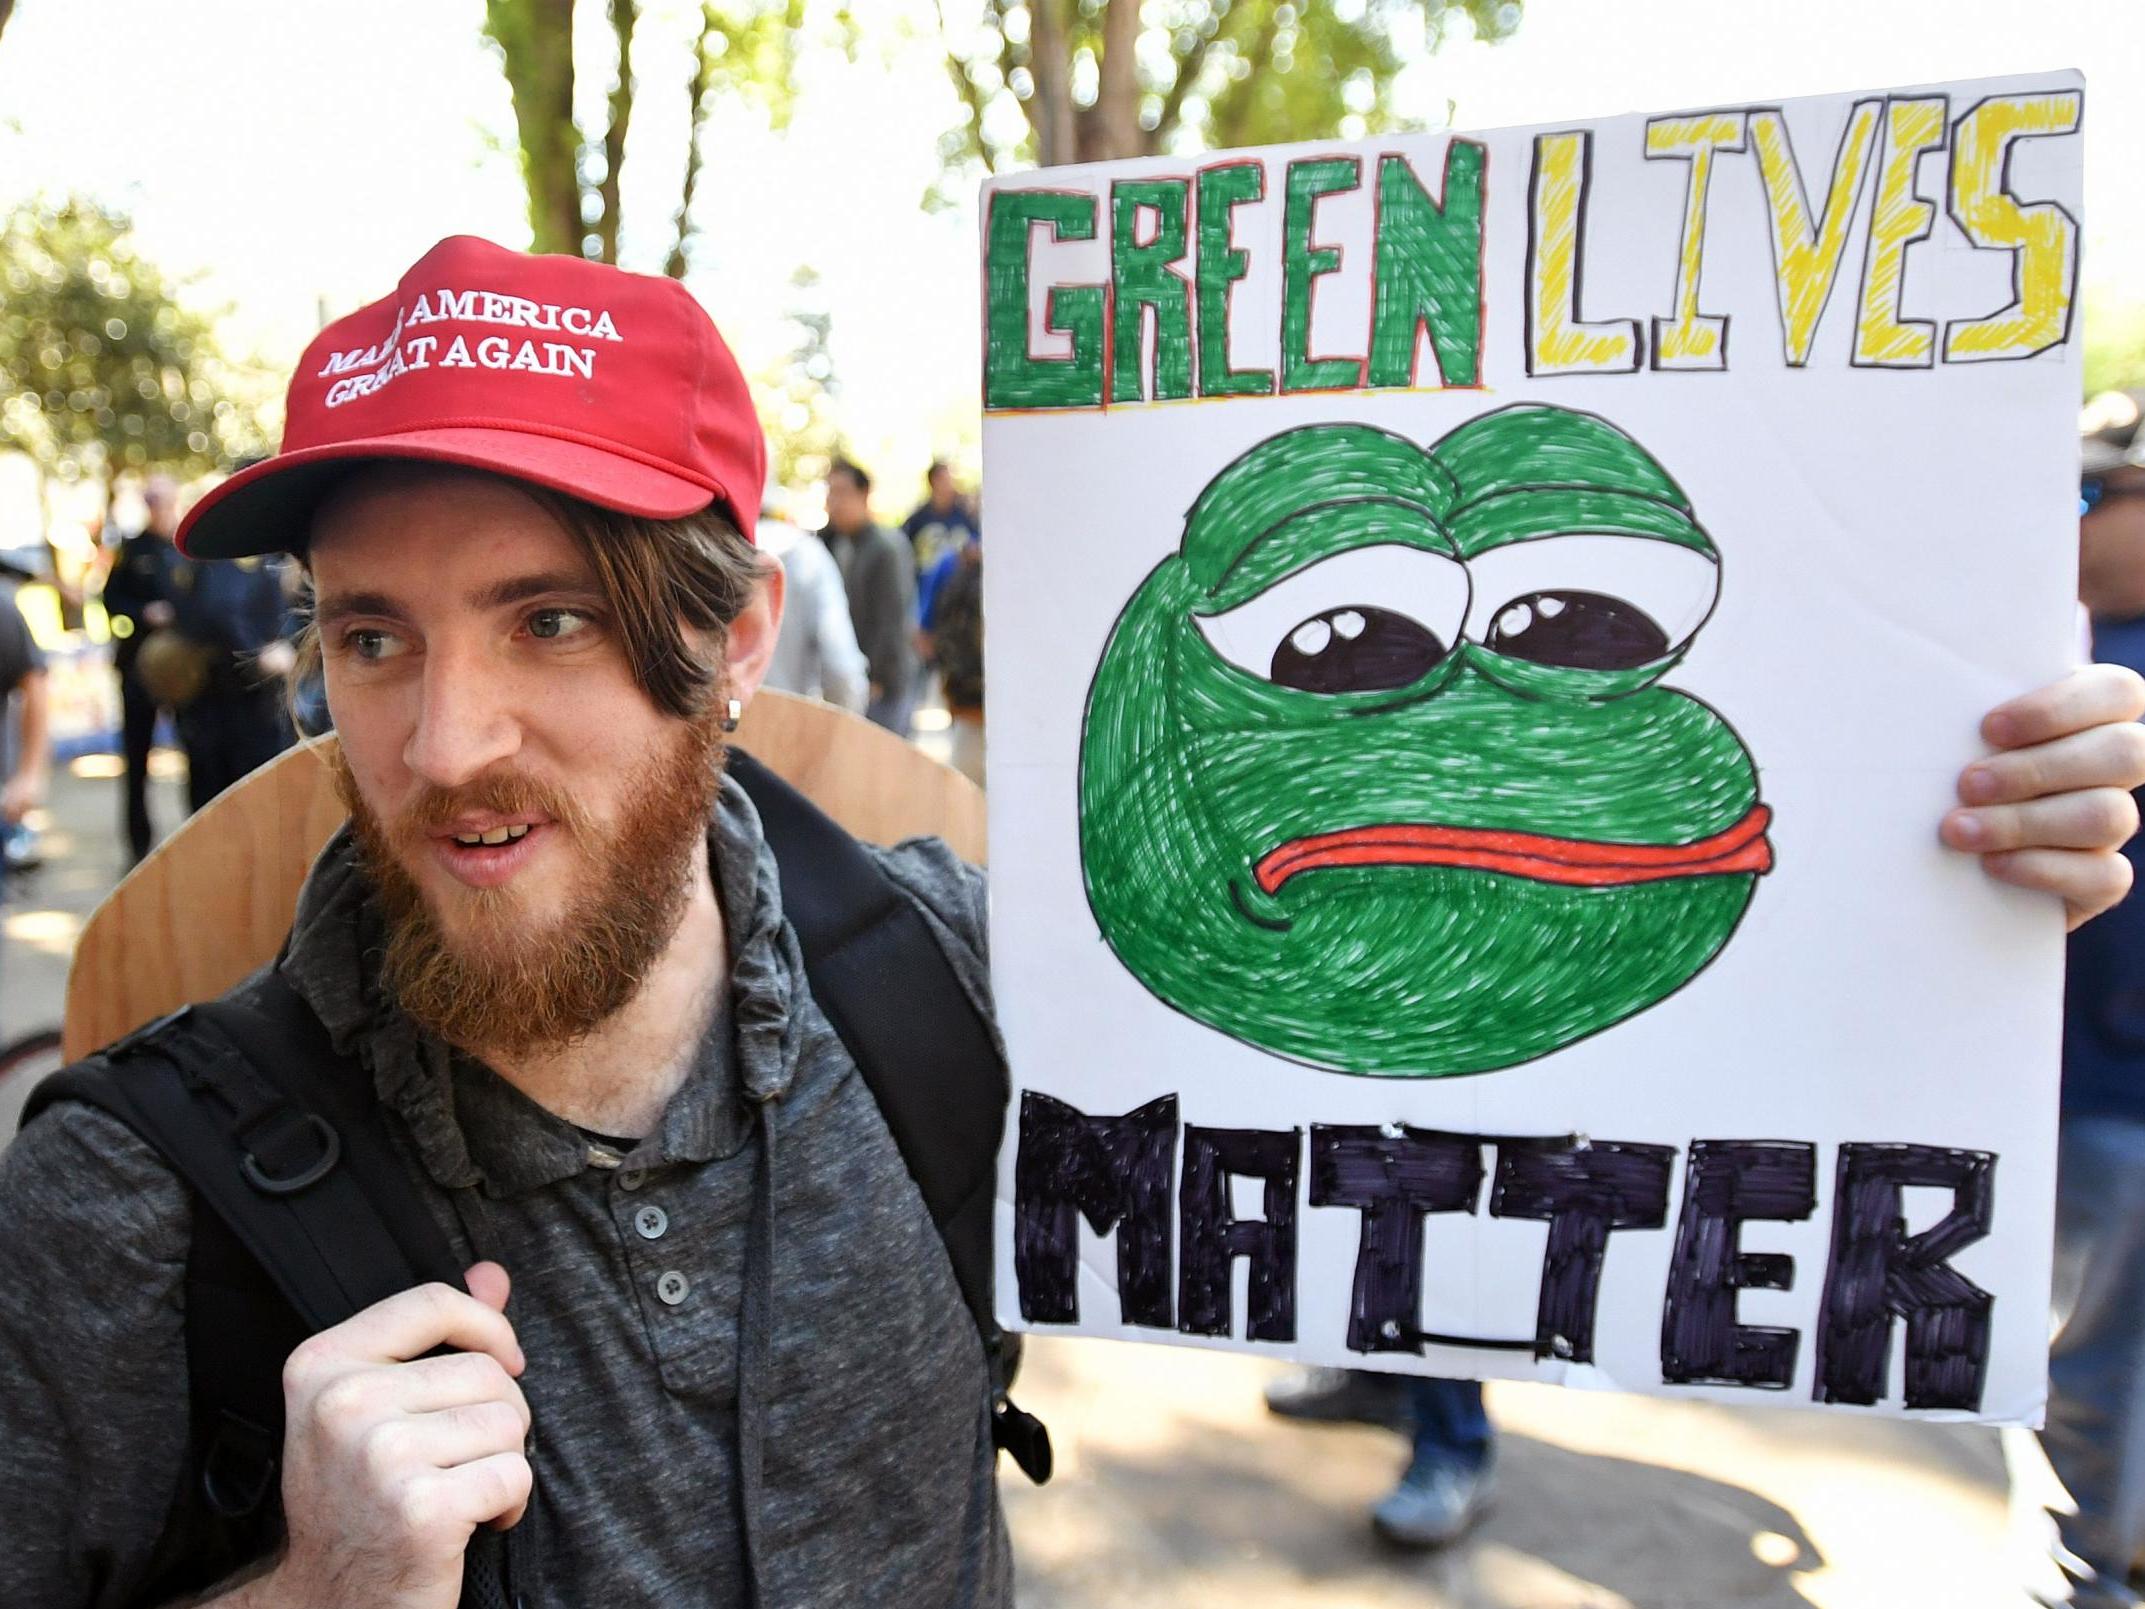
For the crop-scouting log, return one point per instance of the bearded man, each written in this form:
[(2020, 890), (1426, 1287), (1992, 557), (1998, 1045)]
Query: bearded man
[(554, 936)]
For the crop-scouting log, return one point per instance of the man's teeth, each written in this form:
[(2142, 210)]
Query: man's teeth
[(498, 835)]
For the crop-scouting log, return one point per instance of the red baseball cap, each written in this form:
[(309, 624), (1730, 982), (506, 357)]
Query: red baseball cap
[(611, 387)]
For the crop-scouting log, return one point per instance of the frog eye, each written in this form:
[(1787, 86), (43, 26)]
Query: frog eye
[(1366, 620), (1591, 602)]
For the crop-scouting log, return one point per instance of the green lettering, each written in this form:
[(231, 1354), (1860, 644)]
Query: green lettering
[(1429, 270), (1140, 279), (1221, 191), (1301, 263), (1012, 376)]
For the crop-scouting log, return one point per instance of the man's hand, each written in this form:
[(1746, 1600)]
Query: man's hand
[(2052, 808), (391, 1459)]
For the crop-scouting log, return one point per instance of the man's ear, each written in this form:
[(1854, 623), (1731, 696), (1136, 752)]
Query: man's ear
[(752, 635)]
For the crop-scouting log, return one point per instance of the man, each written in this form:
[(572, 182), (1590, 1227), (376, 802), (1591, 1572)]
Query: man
[(952, 642), (2095, 1436), (23, 685), (941, 523), (879, 574), (556, 938), (138, 593), (235, 613), (817, 654)]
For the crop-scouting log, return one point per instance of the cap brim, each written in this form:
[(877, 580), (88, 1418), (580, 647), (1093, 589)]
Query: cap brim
[(268, 507)]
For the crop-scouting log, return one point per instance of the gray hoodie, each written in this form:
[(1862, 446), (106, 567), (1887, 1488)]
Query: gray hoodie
[(794, 1303)]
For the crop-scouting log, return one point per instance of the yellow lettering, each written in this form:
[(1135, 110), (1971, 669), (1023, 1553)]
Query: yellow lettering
[(1806, 255), (2043, 237), (1900, 218), (1692, 340), (1558, 342)]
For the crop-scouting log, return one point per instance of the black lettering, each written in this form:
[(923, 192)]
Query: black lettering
[(1113, 1171), (1728, 1183), (1879, 1272), (1586, 1194), (1213, 1237), (1393, 1176)]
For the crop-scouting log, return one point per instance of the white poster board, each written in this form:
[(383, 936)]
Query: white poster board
[(1483, 629)]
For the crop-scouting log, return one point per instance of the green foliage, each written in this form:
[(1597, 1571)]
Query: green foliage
[(797, 399), (2114, 344), (1209, 73), (743, 50), (101, 369)]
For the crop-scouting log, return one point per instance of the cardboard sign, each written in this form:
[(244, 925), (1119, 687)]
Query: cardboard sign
[(1483, 629)]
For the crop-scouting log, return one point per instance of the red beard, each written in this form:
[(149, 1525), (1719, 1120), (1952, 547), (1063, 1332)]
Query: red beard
[(499, 982)]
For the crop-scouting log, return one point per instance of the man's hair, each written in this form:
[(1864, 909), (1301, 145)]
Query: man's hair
[(939, 467), (661, 579), (855, 472)]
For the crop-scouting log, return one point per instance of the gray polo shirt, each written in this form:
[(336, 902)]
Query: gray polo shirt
[(632, 1275)]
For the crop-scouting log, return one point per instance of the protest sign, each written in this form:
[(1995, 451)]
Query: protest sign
[(1483, 628)]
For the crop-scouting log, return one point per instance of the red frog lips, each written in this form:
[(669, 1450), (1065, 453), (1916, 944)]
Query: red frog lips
[(1575, 862)]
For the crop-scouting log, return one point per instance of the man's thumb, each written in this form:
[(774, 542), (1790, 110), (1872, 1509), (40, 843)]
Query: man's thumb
[(489, 1284)]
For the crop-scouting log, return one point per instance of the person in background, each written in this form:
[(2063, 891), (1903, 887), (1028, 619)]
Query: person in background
[(23, 683), (1446, 1486), (879, 575), (952, 642), (2095, 1435), (138, 598), (817, 653), (942, 522), (236, 614)]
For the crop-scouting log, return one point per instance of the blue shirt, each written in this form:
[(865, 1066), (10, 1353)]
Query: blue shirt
[(2104, 993)]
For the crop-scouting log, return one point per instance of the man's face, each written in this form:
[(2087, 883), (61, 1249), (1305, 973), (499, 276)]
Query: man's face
[(533, 821), (847, 508), (2111, 547), (941, 483), (161, 497)]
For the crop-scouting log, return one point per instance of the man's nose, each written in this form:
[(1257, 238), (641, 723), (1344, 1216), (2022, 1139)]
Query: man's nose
[(465, 719)]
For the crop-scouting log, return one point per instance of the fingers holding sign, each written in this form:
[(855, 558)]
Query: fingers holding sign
[(2052, 808)]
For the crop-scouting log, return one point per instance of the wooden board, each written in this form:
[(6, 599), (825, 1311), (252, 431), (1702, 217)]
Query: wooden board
[(215, 899)]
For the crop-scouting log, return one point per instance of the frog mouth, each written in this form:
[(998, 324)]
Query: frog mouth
[(1742, 849)]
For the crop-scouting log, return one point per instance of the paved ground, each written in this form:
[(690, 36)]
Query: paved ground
[(1176, 1489)]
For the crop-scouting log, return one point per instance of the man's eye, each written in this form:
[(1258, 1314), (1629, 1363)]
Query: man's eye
[(551, 624), (369, 643)]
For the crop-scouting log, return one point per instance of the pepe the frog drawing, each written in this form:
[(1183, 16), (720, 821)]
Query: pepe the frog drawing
[(1378, 773)]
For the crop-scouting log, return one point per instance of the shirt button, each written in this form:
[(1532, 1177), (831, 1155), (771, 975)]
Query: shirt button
[(672, 1288), (631, 1178), (651, 1221)]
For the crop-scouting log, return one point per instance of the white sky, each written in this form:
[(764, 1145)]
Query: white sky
[(294, 158)]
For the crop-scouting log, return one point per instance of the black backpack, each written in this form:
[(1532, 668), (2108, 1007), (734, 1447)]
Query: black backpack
[(311, 1217)]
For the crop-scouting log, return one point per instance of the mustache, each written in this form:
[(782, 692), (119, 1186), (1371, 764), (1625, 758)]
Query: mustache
[(433, 810)]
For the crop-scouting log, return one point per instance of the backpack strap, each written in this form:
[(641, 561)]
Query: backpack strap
[(923, 1048), (310, 1218)]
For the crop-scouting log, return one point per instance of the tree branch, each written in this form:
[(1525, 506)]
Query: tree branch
[(971, 96), (1189, 67), (1116, 124), (625, 17), (703, 78)]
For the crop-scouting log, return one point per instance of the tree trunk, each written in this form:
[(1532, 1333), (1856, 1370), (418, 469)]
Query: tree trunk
[(1051, 107), (625, 16), (703, 76), (7, 9), (1113, 125), (536, 37)]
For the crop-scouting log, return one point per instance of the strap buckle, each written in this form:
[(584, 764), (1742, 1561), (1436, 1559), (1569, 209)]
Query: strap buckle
[(1027, 1438), (289, 1184)]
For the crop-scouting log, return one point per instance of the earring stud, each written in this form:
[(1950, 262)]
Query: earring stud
[(732, 715)]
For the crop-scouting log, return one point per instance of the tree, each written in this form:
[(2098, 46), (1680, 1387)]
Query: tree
[(742, 50), (101, 368), (1101, 79), (797, 399)]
